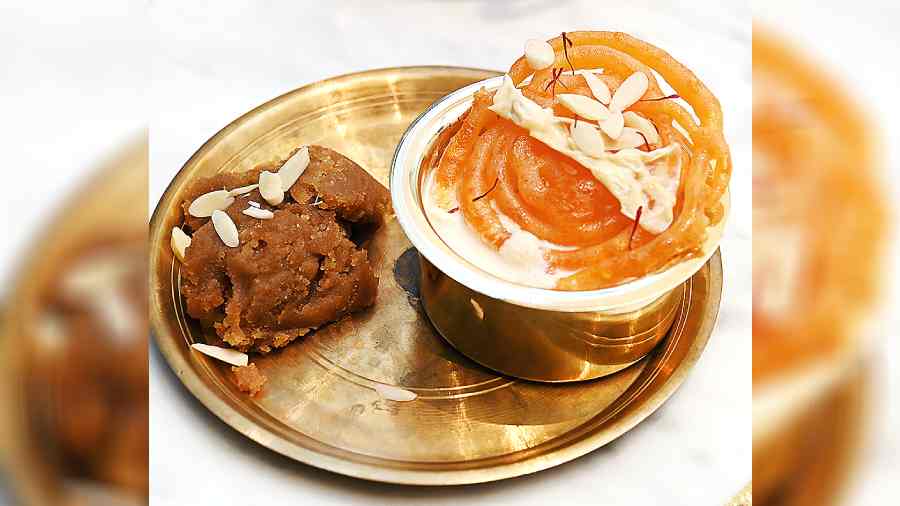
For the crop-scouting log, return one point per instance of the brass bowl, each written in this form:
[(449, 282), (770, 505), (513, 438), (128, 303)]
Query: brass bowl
[(541, 345), (546, 335)]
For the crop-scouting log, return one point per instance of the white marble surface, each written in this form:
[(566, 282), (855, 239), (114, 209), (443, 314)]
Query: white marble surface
[(213, 64)]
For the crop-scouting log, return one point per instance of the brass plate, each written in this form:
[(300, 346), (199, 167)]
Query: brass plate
[(320, 406)]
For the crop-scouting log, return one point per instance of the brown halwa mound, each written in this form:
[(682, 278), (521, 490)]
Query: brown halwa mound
[(292, 273)]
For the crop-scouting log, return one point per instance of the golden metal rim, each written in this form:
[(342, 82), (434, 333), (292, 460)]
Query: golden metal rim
[(271, 433)]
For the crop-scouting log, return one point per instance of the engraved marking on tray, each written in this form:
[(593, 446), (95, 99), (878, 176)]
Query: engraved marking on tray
[(381, 405), (389, 407)]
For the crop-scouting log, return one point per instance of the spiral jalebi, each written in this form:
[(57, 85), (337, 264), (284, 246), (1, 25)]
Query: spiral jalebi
[(493, 166)]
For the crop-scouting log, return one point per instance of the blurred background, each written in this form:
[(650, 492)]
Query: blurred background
[(826, 166), (73, 345), (83, 85)]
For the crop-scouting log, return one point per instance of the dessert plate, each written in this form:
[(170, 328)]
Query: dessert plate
[(339, 398)]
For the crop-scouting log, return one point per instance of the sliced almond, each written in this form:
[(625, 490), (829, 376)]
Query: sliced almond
[(598, 87), (392, 393), (254, 204), (180, 241), (243, 189), (226, 228), (583, 106), (629, 139), (293, 168), (539, 54), (227, 355), (479, 311), (204, 205), (260, 214), (630, 91), (271, 188), (612, 126), (588, 139), (642, 125)]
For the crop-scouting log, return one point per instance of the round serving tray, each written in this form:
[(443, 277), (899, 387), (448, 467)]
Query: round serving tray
[(322, 404)]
